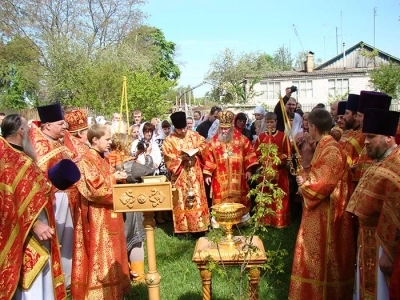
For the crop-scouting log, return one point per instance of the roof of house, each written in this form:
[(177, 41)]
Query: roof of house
[(315, 73), (355, 47), (321, 71)]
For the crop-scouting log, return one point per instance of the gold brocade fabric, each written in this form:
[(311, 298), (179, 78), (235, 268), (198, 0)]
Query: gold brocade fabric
[(228, 163), (75, 146), (187, 176), (48, 152), (363, 163), (99, 261), (24, 192), (324, 257), (343, 142), (282, 217), (354, 143), (378, 188)]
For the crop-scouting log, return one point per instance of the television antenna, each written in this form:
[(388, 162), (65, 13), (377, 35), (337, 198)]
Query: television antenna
[(297, 34)]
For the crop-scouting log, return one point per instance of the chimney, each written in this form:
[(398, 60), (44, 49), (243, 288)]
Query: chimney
[(309, 63)]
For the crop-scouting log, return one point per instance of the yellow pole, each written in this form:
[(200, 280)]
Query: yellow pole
[(287, 123), (152, 278)]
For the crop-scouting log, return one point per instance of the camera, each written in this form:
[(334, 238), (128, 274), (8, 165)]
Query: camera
[(293, 89), (142, 146)]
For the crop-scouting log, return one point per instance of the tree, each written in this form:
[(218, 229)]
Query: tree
[(300, 59), (20, 73), (149, 94), (228, 73), (386, 78), (96, 23), (283, 59), (151, 43)]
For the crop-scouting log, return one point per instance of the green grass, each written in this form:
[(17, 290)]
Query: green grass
[(180, 278)]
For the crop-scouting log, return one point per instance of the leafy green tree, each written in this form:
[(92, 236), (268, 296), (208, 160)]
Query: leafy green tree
[(283, 59), (20, 73), (386, 78), (149, 93), (151, 43), (228, 72)]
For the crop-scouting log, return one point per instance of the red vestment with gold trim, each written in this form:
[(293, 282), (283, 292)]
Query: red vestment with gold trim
[(388, 229), (228, 164), (24, 192), (186, 176), (99, 262), (282, 216), (354, 145), (323, 266), (75, 146), (378, 184)]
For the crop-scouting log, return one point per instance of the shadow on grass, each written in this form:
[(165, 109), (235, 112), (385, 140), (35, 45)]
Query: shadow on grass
[(196, 296), (138, 292)]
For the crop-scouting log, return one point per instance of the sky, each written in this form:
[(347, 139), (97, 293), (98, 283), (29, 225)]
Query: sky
[(202, 29)]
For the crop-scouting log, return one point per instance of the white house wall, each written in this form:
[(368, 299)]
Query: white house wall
[(320, 90)]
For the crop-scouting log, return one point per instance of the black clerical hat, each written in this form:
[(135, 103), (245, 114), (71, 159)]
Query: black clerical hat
[(64, 174), (341, 108), (380, 121), (179, 119), (353, 101), (50, 113), (370, 99)]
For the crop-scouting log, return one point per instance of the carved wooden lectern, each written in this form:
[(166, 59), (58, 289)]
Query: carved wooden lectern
[(154, 194)]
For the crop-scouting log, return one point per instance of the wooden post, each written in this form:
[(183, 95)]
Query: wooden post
[(154, 194), (152, 277)]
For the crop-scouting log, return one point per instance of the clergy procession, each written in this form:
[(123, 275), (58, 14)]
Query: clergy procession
[(339, 171)]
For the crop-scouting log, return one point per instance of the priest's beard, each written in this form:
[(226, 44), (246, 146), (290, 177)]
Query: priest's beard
[(226, 137), (27, 146)]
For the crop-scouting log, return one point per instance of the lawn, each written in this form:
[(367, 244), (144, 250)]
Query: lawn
[(180, 279)]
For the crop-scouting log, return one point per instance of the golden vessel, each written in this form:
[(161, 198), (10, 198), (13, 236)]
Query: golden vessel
[(228, 214)]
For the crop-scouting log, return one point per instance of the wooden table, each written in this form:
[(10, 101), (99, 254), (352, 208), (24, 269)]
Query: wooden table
[(229, 256)]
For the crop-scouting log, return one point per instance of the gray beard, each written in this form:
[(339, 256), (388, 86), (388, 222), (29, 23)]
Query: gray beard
[(226, 138), (28, 149)]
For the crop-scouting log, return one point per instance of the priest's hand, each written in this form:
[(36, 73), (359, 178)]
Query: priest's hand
[(207, 179), (385, 264), (42, 231), (248, 175), (77, 159), (299, 180)]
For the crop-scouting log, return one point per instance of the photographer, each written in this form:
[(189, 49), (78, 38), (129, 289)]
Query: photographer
[(278, 110)]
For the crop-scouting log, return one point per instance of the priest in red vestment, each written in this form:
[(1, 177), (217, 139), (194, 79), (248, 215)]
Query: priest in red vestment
[(228, 164), (47, 142), (26, 218), (377, 188), (75, 139), (100, 263), (368, 99), (182, 151), (324, 256), (355, 139), (281, 218)]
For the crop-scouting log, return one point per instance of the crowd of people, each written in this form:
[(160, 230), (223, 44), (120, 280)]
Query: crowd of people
[(59, 232)]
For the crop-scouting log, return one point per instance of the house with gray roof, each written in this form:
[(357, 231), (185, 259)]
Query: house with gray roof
[(347, 72)]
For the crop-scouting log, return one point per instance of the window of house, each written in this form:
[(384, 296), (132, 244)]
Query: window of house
[(271, 90), (304, 88), (338, 87)]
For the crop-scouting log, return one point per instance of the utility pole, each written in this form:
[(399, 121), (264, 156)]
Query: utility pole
[(375, 9), (337, 46), (341, 28)]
